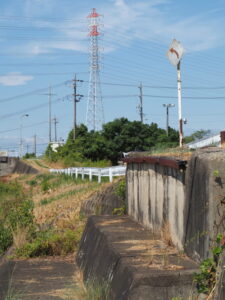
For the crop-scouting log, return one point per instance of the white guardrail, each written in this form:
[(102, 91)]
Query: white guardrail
[(99, 172)]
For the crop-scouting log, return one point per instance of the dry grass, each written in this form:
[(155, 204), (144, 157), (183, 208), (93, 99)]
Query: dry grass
[(20, 236), (166, 233), (63, 212)]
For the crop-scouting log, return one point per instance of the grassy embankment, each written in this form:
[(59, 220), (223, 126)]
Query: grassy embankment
[(39, 214)]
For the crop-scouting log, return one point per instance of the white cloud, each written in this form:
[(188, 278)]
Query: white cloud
[(126, 22), (15, 79)]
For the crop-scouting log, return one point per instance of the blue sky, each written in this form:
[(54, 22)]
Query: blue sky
[(46, 42)]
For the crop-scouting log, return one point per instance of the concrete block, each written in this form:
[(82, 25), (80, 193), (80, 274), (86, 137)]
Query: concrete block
[(136, 262)]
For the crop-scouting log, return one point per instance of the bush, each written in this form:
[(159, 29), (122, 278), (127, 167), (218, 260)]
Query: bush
[(121, 188), (6, 238), (50, 243), (21, 214)]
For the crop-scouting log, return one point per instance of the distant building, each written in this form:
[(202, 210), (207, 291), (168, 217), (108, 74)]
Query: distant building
[(4, 153), (55, 145), (217, 140)]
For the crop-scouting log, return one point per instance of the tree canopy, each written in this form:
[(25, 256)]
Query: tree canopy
[(120, 135)]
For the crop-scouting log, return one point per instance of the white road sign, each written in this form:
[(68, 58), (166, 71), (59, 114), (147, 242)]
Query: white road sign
[(175, 52)]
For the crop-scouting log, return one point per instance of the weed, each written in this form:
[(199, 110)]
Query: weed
[(6, 238), (11, 293), (206, 279), (45, 185), (40, 164), (166, 234), (20, 236), (65, 195), (121, 188), (97, 290), (119, 211), (51, 243), (32, 182), (216, 173)]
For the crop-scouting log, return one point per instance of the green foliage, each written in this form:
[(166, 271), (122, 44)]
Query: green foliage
[(45, 185), (68, 194), (15, 212), (206, 279), (29, 155), (119, 211), (5, 238), (51, 243), (216, 173), (21, 215), (32, 182), (120, 135), (97, 290), (120, 189), (197, 135)]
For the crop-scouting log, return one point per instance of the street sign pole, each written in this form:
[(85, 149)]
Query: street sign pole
[(179, 105), (174, 55)]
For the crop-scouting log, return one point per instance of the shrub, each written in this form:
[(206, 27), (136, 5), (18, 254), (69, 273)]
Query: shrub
[(50, 243), (97, 289), (121, 188), (5, 238), (206, 279), (32, 182), (21, 214)]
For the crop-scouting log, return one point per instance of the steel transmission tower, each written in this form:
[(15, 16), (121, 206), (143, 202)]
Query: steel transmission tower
[(95, 114)]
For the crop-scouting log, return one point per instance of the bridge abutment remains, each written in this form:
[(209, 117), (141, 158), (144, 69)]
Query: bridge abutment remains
[(171, 202), (188, 198)]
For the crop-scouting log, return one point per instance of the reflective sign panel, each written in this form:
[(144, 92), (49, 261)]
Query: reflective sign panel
[(175, 52)]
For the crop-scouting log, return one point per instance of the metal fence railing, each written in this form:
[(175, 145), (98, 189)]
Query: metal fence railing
[(99, 172)]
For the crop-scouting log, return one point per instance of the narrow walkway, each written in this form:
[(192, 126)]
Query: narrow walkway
[(47, 279)]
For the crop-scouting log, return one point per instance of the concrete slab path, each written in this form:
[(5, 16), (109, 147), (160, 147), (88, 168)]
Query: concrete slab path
[(46, 279)]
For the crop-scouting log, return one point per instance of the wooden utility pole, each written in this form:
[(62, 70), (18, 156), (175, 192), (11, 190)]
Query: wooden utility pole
[(55, 121), (76, 98), (141, 103), (35, 145)]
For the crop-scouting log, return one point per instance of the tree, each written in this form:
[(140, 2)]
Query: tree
[(120, 135), (197, 135)]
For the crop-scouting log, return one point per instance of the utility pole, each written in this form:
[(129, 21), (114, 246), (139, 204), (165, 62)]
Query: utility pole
[(27, 148), (21, 138), (55, 121), (76, 99), (50, 94), (167, 116), (35, 145), (140, 106)]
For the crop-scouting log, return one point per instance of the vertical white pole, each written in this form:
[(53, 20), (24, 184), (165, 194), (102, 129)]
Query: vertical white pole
[(179, 105), (110, 175), (90, 175), (99, 176), (82, 173)]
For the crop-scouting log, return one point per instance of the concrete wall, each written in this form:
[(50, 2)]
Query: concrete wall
[(14, 165), (6, 271), (156, 198), (116, 250), (192, 202), (205, 198)]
